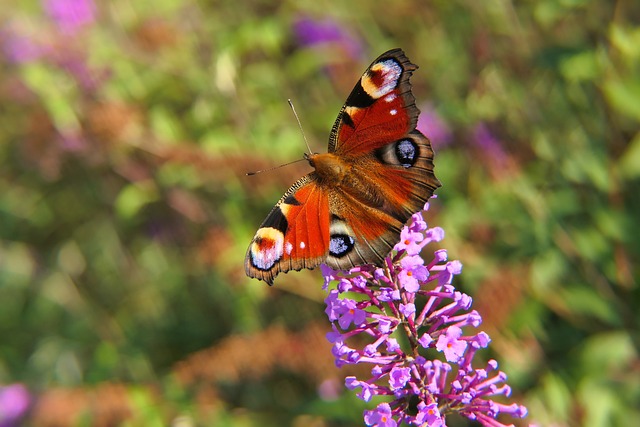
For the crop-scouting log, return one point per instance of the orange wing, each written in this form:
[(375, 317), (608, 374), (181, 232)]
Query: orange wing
[(380, 109), (295, 234)]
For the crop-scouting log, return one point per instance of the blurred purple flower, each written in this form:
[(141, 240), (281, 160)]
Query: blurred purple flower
[(434, 126), (70, 15), (484, 139), (21, 44), (330, 389), (76, 65), (14, 403), (313, 32), (19, 48), (432, 313)]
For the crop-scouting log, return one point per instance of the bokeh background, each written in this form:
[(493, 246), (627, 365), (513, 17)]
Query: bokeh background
[(126, 130)]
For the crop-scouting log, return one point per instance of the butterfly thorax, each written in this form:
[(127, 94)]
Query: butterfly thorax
[(330, 169)]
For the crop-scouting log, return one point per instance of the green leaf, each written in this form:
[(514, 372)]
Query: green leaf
[(624, 96), (606, 352), (135, 196), (629, 163), (583, 300), (580, 67)]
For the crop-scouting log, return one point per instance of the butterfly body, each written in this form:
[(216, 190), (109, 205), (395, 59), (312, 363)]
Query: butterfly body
[(377, 172)]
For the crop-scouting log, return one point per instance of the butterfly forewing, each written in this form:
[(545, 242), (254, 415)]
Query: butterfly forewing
[(380, 108), (294, 235)]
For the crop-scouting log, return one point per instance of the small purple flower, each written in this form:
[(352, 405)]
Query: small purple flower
[(335, 335), (70, 15), (392, 345), (351, 314), (14, 403), (408, 309), (344, 285), (365, 393), (389, 294), (450, 344), (434, 234), (413, 272), (434, 126), (384, 325), (380, 417), (428, 414), (425, 340), (418, 224), (398, 377), (415, 298), (410, 241), (334, 305), (329, 275)]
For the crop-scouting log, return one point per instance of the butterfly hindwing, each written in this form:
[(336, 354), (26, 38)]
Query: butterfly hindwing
[(375, 217)]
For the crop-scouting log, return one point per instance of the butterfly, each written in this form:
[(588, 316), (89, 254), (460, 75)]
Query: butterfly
[(377, 172)]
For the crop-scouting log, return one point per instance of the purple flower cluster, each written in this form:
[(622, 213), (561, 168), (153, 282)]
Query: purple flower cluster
[(408, 312), (23, 44)]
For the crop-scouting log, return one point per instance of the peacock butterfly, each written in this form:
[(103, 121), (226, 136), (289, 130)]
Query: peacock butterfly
[(378, 171)]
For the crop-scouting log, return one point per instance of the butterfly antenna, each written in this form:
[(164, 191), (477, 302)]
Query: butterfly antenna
[(273, 168), (299, 124), (303, 137)]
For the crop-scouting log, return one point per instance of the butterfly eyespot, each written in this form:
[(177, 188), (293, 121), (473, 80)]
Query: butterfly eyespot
[(382, 78), (403, 153), (267, 248), (406, 152), (340, 245)]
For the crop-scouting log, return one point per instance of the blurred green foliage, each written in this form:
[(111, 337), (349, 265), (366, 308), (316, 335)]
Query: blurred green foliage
[(125, 212)]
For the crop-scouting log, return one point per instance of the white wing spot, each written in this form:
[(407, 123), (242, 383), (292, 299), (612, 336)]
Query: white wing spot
[(302, 245), (390, 97), (393, 112), (288, 247)]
